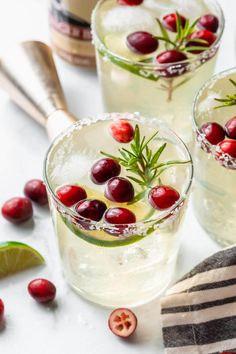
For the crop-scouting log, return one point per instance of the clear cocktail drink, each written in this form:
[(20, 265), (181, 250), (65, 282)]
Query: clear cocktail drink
[(136, 82), (112, 263), (215, 169)]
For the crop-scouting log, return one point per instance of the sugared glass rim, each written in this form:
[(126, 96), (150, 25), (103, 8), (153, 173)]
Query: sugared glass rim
[(224, 159), (156, 66), (138, 227)]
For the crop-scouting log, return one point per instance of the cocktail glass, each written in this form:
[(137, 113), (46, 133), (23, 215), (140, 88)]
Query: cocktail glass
[(104, 265), (215, 172), (130, 82)]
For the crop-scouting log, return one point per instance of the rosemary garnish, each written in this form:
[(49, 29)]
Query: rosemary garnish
[(229, 100), (182, 36), (143, 163)]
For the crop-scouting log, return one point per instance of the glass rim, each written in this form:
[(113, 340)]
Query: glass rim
[(225, 159), (155, 66), (101, 225)]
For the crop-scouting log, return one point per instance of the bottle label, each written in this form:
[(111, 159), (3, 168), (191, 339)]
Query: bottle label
[(70, 30)]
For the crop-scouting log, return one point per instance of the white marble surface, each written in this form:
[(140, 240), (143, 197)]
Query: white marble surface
[(72, 325)]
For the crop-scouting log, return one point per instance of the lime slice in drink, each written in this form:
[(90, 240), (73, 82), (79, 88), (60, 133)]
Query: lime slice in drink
[(116, 43), (16, 256), (101, 238)]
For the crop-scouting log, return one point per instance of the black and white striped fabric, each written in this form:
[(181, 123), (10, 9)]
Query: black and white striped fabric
[(199, 312)]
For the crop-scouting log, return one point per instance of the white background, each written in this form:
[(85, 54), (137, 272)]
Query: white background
[(72, 325)]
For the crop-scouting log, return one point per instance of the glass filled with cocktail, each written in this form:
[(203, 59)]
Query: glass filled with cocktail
[(118, 186), (215, 157), (153, 55)]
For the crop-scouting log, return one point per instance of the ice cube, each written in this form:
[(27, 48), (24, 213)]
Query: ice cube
[(190, 9), (163, 5), (209, 103), (128, 19)]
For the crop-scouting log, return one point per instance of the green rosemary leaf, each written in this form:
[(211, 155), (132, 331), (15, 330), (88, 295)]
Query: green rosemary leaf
[(129, 153), (149, 140), (111, 156), (193, 25), (178, 27), (229, 100), (166, 40), (171, 163), (158, 154), (133, 147), (136, 180), (202, 41), (232, 82), (124, 155), (138, 197), (192, 49), (142, 142), (132, 161), (181, 83), (164, 32), (147, 60), (186, 28)]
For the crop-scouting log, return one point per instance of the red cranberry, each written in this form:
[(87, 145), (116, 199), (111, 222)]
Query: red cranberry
[(70, 194), (1, 310), (122, 322), (213, 132), (171, 56), (130, 2), (91, 209), (119, 216), (17, 210), (104, 169), (209, 22), (230, 128), (122, 131), (170, 22), (120, 190), (163, 197), (142, 42), (35, 189), (42, 290), (207, 36), (228, 147)]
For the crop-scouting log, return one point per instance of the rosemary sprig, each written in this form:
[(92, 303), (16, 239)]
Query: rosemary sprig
[(182, 36), (229, 100), (142, 163)]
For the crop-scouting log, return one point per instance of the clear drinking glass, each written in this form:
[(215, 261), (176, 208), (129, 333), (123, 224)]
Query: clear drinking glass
[(131, 83), (214, 193), (102, 264)]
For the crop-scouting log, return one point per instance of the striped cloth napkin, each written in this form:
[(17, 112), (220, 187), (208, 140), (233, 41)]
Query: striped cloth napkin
[(199, 312)]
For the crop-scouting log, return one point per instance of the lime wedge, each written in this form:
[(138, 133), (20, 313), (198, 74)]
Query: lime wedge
[(16, 256)]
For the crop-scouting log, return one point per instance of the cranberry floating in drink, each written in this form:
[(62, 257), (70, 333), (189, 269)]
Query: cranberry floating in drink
[(209, 22)]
